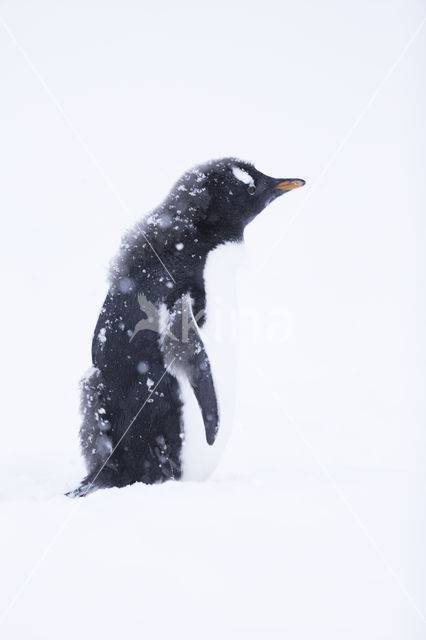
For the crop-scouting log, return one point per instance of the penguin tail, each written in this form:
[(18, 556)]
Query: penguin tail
[(106, 477)]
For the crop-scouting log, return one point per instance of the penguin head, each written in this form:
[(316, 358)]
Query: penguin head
[(227, 194)]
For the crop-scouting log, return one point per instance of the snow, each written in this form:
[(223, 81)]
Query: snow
[(142, 367), (245, 554), (313, 523), (125, 285)]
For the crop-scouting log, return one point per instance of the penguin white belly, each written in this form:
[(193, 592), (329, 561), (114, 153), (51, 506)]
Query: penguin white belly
[(219, 335)]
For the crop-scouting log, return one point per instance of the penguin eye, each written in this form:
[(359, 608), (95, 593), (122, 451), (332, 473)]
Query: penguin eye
[(251, 189)]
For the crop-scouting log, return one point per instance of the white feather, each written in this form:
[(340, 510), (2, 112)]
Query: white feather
[(219, 335), (242, 175)]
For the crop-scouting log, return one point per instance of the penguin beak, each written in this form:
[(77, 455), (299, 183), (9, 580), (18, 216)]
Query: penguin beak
[(289, 184)]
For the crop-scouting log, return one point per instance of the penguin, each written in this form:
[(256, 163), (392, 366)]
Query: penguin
[(152, 384)]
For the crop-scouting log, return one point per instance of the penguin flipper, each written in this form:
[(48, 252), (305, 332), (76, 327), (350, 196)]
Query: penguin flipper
[(185, 352), (201, 381)]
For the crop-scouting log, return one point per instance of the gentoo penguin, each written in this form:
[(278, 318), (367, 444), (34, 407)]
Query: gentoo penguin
[(149, 357)]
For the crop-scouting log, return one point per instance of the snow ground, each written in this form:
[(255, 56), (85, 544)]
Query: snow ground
[(313, 526), (261, 554)]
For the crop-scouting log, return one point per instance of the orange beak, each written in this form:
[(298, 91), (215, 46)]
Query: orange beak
[(288, 185)]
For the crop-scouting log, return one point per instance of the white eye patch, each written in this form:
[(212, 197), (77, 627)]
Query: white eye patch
[(242, 175)]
